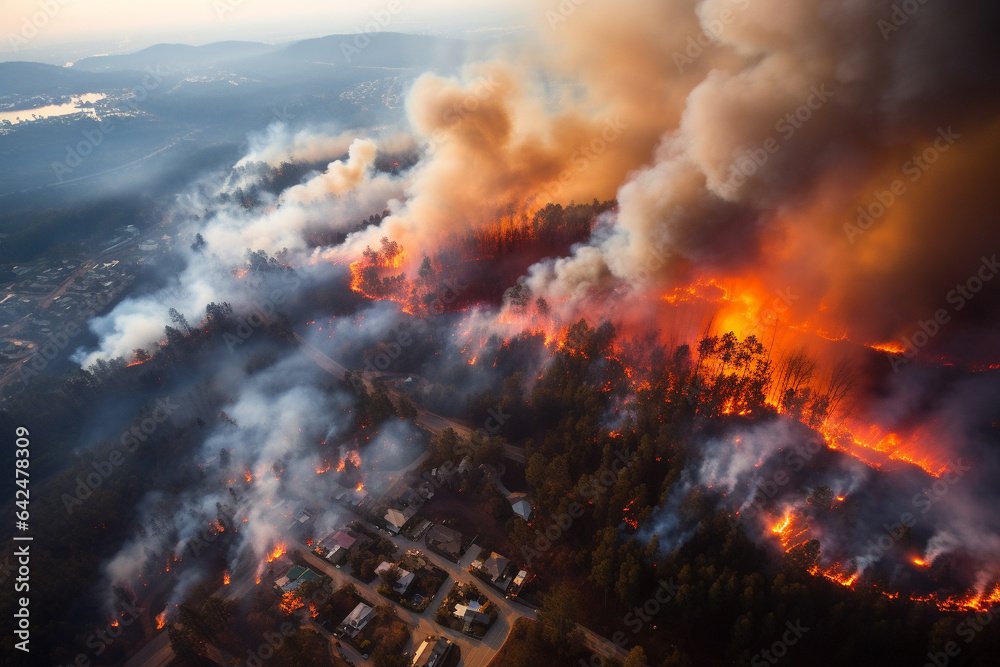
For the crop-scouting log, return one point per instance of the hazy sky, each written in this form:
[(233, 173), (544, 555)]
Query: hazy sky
[(130, 24)]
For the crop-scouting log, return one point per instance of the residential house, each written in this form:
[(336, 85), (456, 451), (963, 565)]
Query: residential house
[(405, 578), (396, 519), (445, 541), (470, 613), (295, 577), (357, 620), (495, 569), (336, 547), (432, 652), (521, 505)]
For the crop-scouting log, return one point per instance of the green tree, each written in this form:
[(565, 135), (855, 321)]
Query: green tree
[(558, 618), (603, 569), (805, 555), (628, 579), (183, 644), (822, 496), (405, 408), (391, 576)]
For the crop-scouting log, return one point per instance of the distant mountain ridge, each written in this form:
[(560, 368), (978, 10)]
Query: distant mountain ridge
[(388, 49), (255, 60), (175, 55), (27, 78)]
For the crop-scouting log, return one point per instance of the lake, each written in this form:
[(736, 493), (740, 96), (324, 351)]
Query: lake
[(73, 106)]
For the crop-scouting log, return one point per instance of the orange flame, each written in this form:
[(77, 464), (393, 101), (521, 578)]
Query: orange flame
[(290, 602), (631, 521), (983, 599), (879, 447), (377, 272), (225, 578), (782, 527), (978, 601), (351, 456), (279, 551), (889, 348), (161, 619), (835, 575), (743, 306)]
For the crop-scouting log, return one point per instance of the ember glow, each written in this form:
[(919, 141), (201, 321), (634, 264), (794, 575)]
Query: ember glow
[(878, 448), (291, 602), (378, 274), (888, 348), (834, 575), (791, 533), (276, 553)]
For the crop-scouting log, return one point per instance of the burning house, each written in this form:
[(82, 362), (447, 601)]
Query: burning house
[(336, 547)]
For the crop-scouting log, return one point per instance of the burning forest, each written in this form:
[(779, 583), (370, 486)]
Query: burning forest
[(708, 284)]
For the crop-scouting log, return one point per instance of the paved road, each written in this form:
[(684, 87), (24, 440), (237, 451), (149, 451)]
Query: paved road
[(475, 653)]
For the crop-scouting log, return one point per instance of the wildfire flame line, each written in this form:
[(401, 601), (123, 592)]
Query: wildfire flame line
[(278, 552), (787, 531)]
